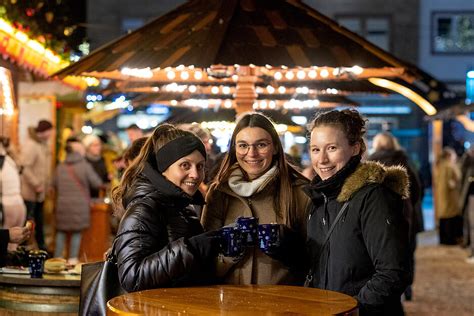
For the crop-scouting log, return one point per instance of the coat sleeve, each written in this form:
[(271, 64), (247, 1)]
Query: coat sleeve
[(94, 180), (385, 234), (28, 158), (4, 238), (143, 263), (214, 210)]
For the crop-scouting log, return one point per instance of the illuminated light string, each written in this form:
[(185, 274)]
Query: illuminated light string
[(426, 106), (20, 42), (8, 107)]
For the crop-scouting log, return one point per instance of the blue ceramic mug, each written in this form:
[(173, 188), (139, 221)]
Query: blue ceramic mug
[(268, 236), (36, 260), (248, 227), (231, 241)]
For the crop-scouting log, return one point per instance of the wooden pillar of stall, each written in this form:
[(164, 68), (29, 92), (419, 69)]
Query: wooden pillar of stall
[(97, 238), (436, 148), (245, 94)]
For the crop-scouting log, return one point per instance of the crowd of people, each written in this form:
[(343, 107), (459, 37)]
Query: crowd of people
[(349, 225)]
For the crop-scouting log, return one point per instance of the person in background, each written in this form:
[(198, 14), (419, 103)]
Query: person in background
[(134, 132), (255, 180), (447, 187), (133, 151), (366, 253), (13, 235), (160, 242), (467, 200), (93, 145), (35, 178), (388, 152), (12, 205), (72, 182)]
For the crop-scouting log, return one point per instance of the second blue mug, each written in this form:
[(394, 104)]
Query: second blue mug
[(268, 236), (248, 227)]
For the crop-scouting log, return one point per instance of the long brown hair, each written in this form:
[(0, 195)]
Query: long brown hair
[(162, 135), (287, 173)]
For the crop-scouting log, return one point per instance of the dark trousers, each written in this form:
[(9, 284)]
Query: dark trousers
[(450, 230), (34, 211)]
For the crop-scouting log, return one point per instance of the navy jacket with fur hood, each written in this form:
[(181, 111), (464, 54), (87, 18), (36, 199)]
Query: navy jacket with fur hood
[(366, 256)]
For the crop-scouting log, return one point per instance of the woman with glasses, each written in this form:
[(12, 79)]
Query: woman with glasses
[(255, 180)]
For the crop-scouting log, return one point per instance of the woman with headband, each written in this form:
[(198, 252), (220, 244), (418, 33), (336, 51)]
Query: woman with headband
[(160, 242)]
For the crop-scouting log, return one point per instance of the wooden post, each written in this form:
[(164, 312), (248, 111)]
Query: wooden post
[(436, 148), (245, 94)]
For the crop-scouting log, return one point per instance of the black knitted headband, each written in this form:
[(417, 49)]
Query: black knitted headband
[(177, 149)]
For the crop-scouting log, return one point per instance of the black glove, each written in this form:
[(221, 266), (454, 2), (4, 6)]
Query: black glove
[(206, 245), (291, 250)]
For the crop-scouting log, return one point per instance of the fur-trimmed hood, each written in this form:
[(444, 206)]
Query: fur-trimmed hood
[(394, 178)]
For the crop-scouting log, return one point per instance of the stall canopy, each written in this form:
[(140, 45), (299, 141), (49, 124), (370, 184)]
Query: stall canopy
[(260, 54)]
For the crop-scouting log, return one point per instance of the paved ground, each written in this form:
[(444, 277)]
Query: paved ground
[(444, 283)]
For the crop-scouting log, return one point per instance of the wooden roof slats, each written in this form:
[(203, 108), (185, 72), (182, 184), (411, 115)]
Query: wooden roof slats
[(308, 37), (248, 5), (298, 56), (276, 19), (204, 21), (174, 57), (343, 57), (168, 40), (265, 36), (174, 23)]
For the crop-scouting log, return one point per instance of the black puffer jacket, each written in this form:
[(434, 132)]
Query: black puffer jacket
[(152, 245), (367, 253)]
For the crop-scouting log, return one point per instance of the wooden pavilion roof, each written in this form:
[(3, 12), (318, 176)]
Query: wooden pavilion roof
[(259, 32), (262, 33)]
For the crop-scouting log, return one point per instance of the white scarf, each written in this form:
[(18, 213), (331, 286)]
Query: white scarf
[(247, 188)]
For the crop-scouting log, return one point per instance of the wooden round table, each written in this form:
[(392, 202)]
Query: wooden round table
[(234, 300), (54, 293)]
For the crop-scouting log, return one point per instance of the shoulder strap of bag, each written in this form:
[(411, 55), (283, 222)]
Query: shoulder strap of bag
[(338, 216), (72, 173), (309, 276)]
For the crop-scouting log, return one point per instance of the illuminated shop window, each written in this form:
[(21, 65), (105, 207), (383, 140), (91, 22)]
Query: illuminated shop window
[(452, 32)]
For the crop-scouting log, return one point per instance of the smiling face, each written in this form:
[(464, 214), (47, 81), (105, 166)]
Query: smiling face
[(254, 151), (330, 150), (187, 173)]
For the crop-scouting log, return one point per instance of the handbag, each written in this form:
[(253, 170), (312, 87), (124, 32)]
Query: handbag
[(99, 283), (309, 277)]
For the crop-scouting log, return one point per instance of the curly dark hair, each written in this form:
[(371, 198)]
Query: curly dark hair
[(349, 121)]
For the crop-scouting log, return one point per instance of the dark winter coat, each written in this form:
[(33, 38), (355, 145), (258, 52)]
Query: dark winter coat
[(100, 168), (367, 253), (412, 211), (72, 181), (152, 246)]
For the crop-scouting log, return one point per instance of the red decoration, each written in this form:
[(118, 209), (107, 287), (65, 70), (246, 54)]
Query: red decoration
[(30, 12)]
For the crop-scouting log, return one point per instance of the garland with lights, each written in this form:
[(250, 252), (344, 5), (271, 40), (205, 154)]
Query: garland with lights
[(54, 23)]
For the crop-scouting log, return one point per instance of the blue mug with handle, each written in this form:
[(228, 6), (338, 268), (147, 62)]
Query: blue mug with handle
[(268, 236), (231, 241), (248, 227)]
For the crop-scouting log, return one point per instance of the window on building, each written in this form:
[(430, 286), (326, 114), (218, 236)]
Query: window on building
[(375, 29), (452, 32)]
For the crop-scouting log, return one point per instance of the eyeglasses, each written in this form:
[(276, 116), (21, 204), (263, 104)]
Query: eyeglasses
[(261, 148)]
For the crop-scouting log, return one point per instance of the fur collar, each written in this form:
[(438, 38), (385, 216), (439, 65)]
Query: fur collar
[(394, 178)]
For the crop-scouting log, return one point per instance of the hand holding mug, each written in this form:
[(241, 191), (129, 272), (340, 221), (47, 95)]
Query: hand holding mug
[(268, 237)]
